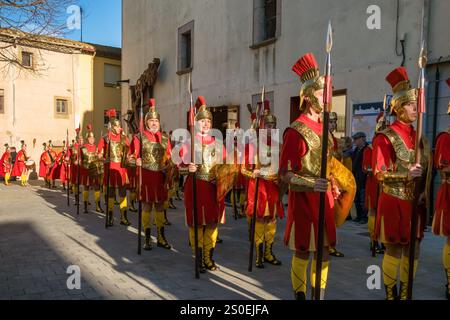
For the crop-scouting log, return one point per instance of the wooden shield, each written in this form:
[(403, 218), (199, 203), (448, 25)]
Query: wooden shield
[(347, 184), (226, 177)]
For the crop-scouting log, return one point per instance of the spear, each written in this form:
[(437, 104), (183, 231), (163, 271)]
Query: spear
[(141, 132), (78, 169), (327, 98), (255, 201), (107, 139), (194, 180), (421, 109)]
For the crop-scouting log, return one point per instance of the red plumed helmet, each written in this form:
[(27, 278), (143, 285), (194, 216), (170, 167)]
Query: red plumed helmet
[(152, 103), (306, 67), (89, 127), (77, 130), (201, 101), (111, 113), (267, 105), (448, 82), (396, 77)]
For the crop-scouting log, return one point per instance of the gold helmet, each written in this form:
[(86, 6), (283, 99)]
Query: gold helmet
[(308, 71), (152, 114), (202, 110), (403, 92), (269, 118), (90, 131), (333, 116)]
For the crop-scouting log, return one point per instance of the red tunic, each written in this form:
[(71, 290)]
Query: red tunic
[(209, 210), (58, 168), (441, 220), (118, 177), (85, 179), (371, 196), (303, 207), (268, 195), (45, 165), (153, 182), (5, 162), (19, 166), (395, 212)]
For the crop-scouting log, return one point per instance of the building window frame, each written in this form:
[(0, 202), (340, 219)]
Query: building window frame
[(260, 23), (57, 113), (30, 63), (2, 101), (185, 50), (114, 83)]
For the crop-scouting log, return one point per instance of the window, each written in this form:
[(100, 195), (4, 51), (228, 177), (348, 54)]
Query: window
[(266, 21), (111, 75), (27, 59), (256, 98), (185, 48), (2, 101), (62, 107)]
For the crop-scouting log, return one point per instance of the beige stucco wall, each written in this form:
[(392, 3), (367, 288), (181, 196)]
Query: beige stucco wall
[(30, 100), (104, 97), (227, 72)]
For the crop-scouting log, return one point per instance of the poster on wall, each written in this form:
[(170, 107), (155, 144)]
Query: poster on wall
[(364, 118)]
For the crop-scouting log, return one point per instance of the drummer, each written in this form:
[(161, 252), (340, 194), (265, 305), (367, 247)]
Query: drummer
[(22, 165), (91, 171)]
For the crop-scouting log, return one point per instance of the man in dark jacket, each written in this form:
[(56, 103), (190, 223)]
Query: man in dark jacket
[(359, 140)]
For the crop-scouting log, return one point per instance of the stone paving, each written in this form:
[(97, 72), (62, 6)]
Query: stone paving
[(40, 237)]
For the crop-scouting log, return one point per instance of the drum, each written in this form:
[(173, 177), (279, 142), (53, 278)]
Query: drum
[(30, 164)]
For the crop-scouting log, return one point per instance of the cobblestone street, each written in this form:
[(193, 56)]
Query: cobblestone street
[(40, 237)]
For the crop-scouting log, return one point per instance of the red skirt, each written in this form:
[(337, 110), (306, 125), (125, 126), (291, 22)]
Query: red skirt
[(268, 197), (209, 210), (303, 212), (153, 190), (18, 169), (394, 220), (74, 174), (132, 178), (86, 180), (441, 220), (118, 177), (371, 196)]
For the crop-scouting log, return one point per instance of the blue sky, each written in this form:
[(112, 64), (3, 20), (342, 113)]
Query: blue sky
[(101, 23)]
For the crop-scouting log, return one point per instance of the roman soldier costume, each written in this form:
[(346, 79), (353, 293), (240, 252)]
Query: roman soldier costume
[(59, 171), (6, 165), (20, 169), (393, 156), (91, 170), (300, 165), (73, 159), (114, 147), (155, 158), (441, 219), (210, 211), (46, 163), (269, 205)]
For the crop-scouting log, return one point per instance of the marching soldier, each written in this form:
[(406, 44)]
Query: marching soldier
[(269, 205), (239, 192), (6, 164), (441, 219), (393, 165), (210, 211), (20, 169), (116, 156), (132, 180), (73, 158), (299, 167), (59, 171), (45, 164), (154, 156), (90, 170)]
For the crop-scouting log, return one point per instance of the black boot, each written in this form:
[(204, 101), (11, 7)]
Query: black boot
[(133, 206), (85, 207), (148, 240), (259, 256), (391, 293), (269, 256), (99, 208), (110, 219), (162, 242), (447, 291), (171, 205), (166, 221), (300, 295), (124, 219)]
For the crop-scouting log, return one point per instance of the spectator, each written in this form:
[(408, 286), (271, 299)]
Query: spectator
[(359, 140)]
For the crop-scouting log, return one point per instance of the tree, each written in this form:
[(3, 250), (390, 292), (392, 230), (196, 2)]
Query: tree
[(30, 23)]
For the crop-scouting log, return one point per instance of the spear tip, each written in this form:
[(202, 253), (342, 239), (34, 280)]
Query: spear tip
[(423, 55), (329, 44)]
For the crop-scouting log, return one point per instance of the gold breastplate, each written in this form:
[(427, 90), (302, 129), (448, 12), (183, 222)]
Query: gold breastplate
[(88, 157), (312, 160), (405, 158), (117, 150), (267, 171), (153, 153), (208, 168)]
